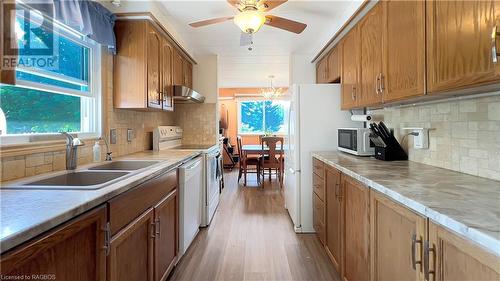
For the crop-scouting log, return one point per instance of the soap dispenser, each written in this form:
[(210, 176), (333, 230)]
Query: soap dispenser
[(97, 151)]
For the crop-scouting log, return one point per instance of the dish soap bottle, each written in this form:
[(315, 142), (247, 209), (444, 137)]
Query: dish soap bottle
[(97, 151)]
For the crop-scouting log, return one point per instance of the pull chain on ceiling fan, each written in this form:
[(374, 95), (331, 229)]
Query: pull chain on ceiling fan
[(251, 17)]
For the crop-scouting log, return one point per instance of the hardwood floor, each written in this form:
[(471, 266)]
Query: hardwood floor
[(251, 238)]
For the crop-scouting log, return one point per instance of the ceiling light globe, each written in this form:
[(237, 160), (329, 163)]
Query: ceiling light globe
[(250, 21)]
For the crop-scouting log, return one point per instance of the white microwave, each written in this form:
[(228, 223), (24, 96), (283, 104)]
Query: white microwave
[(355, 141)]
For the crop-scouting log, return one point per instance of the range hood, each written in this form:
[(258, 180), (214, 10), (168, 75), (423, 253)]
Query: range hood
[(183, 94)]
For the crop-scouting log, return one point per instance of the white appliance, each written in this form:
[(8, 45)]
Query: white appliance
[(355, 141), (312, 122), (190, 191), (170, 138)]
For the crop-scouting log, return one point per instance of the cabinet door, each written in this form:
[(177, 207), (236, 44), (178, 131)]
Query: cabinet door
[(319, 218), (131, 252), (334, 65), (370, 34), (333, 216), (452, 257), (187, 68), (166, 236), (350, 69), (166, 75), (404, 50), (396, 240), (459, 44), (322, 71), (154, 67), (178, 72), (73, 251), (356, 222)]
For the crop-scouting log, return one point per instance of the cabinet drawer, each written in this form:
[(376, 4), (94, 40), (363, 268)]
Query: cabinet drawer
[(126, 207), (318, 168), (319, 187), (319, 218)]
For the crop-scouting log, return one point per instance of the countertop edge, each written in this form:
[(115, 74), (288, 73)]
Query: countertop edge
[(115, 189), (476, 236)]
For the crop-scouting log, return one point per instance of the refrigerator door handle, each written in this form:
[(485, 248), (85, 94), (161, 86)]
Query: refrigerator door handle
[(292, 171)]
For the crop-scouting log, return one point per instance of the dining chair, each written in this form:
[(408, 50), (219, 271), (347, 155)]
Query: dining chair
[(245, 162), (272, 157)]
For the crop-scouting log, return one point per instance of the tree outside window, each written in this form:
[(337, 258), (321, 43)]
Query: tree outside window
[(262, 117)]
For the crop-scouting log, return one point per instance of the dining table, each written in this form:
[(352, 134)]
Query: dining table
[(256, 149)]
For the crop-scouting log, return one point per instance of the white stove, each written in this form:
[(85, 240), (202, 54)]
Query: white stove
[(170, 138)]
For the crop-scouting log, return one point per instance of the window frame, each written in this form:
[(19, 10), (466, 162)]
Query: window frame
[(90, 102), (238, 112)]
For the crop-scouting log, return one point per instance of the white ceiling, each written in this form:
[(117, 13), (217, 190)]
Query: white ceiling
[(239, 67)]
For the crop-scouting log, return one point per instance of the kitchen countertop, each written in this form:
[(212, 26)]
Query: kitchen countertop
[(466, 204), (26, 213)]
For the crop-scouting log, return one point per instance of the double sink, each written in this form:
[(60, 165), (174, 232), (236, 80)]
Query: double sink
[(90, 179)]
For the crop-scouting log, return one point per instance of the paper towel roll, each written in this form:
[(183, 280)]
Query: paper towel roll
[(361, 118)]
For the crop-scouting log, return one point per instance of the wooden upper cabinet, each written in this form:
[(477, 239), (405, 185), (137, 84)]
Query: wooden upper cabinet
[(322, 71), (459, 44), (356, 230), (334, 213), (350, 70), (142, 66), (154, 68), (452, 257), (166, 236), (73, 251), (178, 72), (187, 69), (167, 53), (397, 237), (131, 253), (334, 65), (370, 34), (403, 50)]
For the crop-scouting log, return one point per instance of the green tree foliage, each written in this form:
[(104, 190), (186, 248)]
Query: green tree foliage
[(262, 116)]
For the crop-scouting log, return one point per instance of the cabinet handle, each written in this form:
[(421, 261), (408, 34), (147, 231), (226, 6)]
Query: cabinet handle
[(107, 239), (157, 226), (427, 271), (377, 87), (153, 230), (414, 242), (494, 52), (382, 86), (160, 97), (353, 93), (339, 197)]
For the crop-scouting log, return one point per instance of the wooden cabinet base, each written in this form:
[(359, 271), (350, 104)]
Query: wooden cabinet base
[(73, 251)]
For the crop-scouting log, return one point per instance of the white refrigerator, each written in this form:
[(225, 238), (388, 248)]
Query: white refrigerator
[(312, 121)]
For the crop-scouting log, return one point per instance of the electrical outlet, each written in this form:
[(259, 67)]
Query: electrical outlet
[(422, 140), (112, 136), (130, 135)]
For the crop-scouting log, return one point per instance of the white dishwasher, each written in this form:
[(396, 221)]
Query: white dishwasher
[(190, 190)]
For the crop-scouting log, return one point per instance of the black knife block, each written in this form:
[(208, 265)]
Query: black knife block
[(392, 151)]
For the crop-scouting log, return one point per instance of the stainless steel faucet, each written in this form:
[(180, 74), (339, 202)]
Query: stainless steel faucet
[(72, 145)]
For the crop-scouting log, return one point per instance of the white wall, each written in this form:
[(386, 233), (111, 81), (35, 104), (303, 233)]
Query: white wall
[(301, 70)]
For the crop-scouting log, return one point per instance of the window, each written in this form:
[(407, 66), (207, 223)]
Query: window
[(262, 117), (57, 81)]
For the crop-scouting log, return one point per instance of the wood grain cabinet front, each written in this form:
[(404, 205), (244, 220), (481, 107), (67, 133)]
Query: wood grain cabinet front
[(350, 70), (397, 237), (322, 71), (166, 235), (74, 251), (334, 65), (334, 211), (462, 44)]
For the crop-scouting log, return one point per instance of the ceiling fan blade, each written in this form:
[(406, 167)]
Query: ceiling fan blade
[(271, 4), (210, 21), (286, 24), (234, 3), (246, 39)]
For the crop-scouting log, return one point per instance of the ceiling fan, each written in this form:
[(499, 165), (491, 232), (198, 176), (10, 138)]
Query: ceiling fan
[(251, 17)]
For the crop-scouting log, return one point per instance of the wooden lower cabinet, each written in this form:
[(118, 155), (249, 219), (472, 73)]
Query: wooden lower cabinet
[(333, 243), (356, 225), (166, 235), (319, 218), (73, 251), (131, 252), (451, 257), (397, 236)]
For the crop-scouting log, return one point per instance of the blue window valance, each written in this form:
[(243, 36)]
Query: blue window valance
[(88, 17)]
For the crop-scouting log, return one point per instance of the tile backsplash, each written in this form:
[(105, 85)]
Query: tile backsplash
[(198, 121), (464, 135)]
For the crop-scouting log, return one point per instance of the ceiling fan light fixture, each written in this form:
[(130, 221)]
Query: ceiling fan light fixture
[(250, 21)]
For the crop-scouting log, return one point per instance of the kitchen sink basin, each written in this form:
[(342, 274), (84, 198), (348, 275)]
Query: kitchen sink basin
[(73, 180), (125, 165)]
